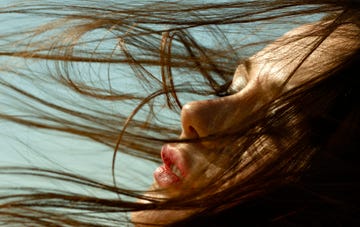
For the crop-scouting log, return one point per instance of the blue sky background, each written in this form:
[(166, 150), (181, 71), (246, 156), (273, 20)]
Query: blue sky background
[(23, 146)]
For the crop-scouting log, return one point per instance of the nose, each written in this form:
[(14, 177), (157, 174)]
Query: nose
[(195, 120), (204, 118), (222, 115)]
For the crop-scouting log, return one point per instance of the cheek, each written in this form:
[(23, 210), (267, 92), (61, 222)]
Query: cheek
[(242, 107), (262, 151), (272, 79)]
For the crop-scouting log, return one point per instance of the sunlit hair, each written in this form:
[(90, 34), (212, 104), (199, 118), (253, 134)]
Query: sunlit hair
[(118, 74)]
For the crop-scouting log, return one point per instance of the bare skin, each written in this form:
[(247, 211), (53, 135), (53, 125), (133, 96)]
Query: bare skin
[(255, 82)]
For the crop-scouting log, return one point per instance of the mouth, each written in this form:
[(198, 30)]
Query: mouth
[(173, 170)]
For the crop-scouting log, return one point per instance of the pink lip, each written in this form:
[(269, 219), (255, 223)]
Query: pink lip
[(164, 175)]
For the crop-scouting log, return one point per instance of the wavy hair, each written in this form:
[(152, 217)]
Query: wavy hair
[(118, 74)]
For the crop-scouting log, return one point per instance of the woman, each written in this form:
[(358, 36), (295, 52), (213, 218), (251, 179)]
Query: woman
[(273, 144)]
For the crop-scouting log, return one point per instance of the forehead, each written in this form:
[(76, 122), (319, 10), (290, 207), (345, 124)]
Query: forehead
[(304, 53)]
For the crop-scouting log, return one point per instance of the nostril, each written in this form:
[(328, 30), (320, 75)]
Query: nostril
[(195, 117), (193, 132)]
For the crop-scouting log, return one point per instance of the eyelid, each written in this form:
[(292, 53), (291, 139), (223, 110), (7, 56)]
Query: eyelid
[(241, 78)]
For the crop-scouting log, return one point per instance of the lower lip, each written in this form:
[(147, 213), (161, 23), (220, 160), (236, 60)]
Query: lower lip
[(164, 177)]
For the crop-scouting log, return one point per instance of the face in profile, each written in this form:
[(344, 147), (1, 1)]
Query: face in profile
[(266, 75)]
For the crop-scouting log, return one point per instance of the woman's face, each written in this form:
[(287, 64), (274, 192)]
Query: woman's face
[(257, 81)]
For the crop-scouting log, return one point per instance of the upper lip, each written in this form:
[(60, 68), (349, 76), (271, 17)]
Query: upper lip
[(172, 156)]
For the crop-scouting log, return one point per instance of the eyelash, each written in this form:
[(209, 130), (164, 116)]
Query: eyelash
[(228, 88), (225, 90), (231, 91)]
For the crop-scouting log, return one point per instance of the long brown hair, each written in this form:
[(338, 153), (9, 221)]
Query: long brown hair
[(118, 74)]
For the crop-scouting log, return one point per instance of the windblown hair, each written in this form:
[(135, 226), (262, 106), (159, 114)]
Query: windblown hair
[(118, 74)]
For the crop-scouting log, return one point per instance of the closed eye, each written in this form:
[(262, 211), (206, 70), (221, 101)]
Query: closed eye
[(239, 81), (241, 78), (224, 90)]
